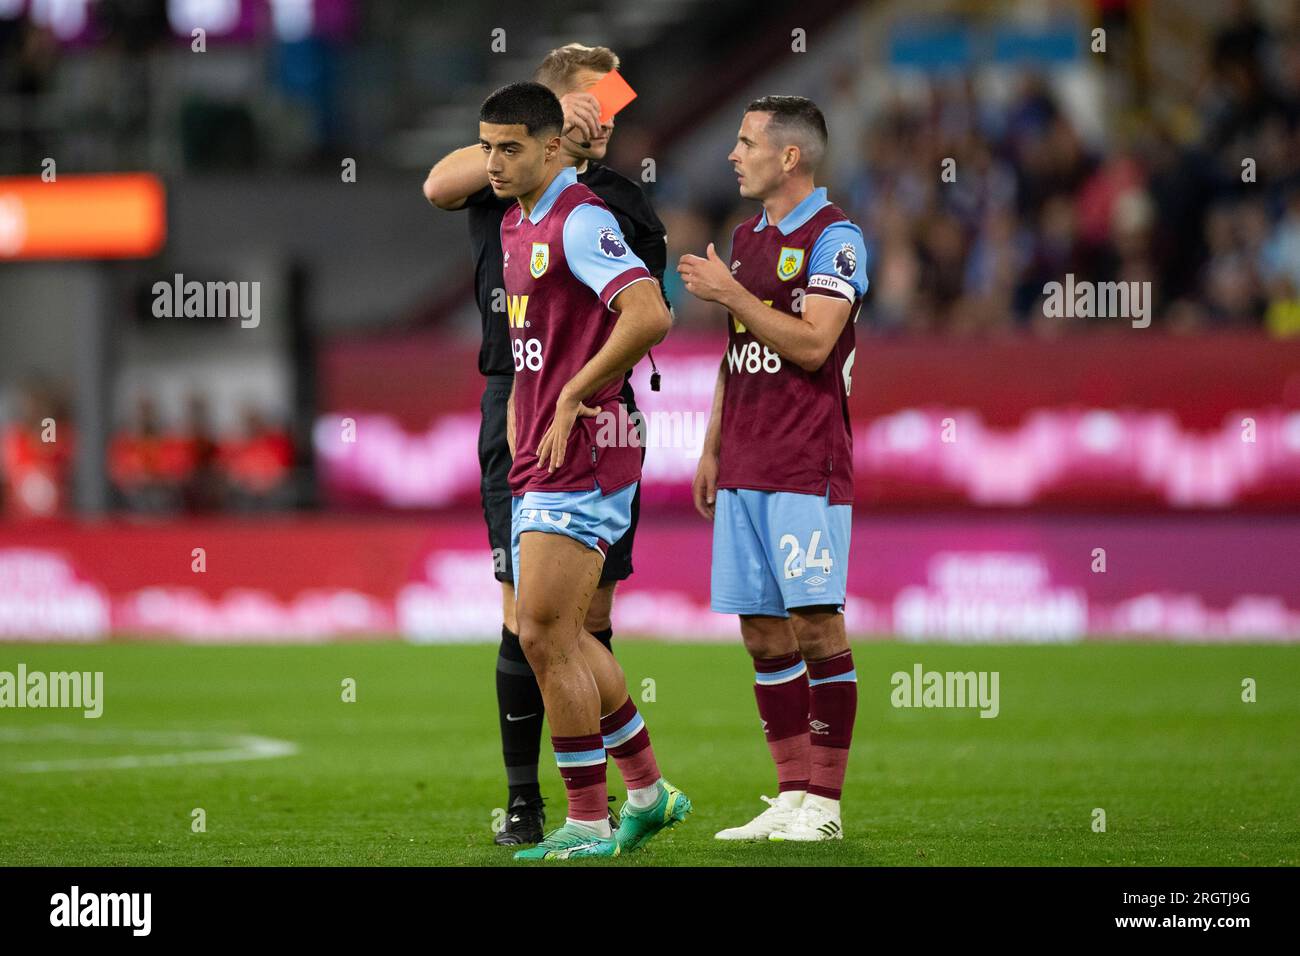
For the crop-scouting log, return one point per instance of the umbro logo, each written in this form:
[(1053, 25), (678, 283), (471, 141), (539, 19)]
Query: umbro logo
[(505, 259), (818, 726), (815, 581)]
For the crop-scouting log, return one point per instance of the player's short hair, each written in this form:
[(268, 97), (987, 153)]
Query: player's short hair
[(561, 64), (796, 121), (528, 104)]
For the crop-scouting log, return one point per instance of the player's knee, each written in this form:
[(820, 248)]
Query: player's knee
[(820, 632), (533, 640), (818, 648), (530, 643), (767, 637)]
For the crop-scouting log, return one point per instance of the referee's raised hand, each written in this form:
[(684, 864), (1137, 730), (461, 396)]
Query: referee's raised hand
[(581, 116)]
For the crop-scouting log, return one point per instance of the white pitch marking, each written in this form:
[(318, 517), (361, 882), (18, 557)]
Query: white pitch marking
[(232, 748)]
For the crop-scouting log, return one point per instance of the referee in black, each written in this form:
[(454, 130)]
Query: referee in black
[(459, 181)]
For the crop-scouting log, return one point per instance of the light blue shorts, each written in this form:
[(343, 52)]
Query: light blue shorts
[(776, 550), (592, 517)]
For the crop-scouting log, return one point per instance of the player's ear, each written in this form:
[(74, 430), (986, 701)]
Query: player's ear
[(790, 159)]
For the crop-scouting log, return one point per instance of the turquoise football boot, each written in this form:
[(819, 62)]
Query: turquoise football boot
[(635, 826), (570, 842)]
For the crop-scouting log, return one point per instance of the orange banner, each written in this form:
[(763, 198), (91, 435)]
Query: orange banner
[(111, 216)]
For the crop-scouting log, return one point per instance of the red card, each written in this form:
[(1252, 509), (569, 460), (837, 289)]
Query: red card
[(614, 94)]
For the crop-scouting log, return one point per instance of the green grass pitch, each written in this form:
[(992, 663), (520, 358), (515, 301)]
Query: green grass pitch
[(1155, 735)]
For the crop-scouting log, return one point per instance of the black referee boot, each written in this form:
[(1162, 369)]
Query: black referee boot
[(524, 822)]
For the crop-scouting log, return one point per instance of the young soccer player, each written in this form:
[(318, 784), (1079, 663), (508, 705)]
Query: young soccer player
[(776, 475), (582, 310), (459, 181)]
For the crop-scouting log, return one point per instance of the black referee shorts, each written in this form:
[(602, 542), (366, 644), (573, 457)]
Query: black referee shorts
[(494, 487)]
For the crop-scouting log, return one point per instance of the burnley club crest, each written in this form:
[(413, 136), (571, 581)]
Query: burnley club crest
[(540, 259), (789, 263)]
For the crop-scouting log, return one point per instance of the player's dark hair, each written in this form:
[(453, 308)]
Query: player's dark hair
[(797, 120), (530, 105)]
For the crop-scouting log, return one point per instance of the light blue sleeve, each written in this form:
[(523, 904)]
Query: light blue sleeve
[(597, 253), (839, 262)]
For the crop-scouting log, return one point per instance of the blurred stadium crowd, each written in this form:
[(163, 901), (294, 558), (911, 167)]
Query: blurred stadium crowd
[(1161, 198), (156, 466), (1163, 195)]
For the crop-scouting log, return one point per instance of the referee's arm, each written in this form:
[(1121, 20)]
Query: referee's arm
[(650, 241), (456, 177)]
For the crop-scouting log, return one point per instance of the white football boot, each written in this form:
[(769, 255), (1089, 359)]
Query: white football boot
[(779, 813), (817, 819)]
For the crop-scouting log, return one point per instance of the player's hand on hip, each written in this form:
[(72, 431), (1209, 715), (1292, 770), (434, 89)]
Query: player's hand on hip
[(705, 278), (704, 489), (550, 450), (581, 116)]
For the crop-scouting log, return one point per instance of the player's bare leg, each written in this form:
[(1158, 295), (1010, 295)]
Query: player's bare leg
[(557, 577), (653, 804), (522, 712), (833, 704), (765, 636), (599, 623), (781, 690), (600, 610), (611, 682)]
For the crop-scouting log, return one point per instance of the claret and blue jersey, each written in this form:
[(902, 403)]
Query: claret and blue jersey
[(785, 473), (565, 262)]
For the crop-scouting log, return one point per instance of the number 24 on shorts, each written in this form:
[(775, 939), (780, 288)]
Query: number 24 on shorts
[(794, 568)]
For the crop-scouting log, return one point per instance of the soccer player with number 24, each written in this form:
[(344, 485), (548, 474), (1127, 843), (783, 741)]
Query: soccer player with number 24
[(776, 473)]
